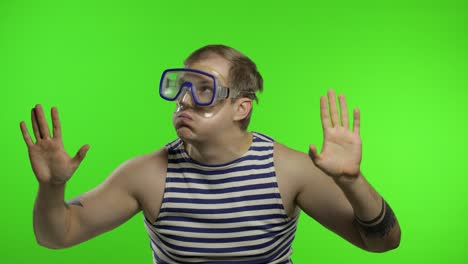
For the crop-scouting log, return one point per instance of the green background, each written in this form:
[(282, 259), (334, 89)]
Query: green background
[(403, 63)]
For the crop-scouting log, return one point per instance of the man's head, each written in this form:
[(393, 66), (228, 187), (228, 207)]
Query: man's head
[(235, 70)]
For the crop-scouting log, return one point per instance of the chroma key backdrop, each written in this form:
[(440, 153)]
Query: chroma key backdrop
[(404, 64)]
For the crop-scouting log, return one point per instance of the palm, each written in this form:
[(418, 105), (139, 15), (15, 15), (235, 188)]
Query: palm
[(49, 160), (341, 150)]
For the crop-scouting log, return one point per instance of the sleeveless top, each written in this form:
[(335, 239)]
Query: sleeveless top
[(228, 213)]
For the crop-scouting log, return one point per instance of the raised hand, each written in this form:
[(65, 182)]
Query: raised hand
[(342, 148), (49, 160)]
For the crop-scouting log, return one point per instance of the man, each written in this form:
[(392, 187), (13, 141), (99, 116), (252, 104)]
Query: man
[(217, 194)]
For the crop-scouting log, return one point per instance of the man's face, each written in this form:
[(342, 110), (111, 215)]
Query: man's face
[(193, 122)]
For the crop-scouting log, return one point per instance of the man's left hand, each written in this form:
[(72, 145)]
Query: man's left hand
[(342, 148)]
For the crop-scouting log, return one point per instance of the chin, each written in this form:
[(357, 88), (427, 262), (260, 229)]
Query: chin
[(189, 136), (185, 133)]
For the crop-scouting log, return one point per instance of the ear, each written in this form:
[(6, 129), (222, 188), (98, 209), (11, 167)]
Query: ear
[(242, 108)]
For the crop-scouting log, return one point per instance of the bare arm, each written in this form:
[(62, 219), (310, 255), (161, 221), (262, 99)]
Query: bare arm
[(337, 208), (332, 189), (317, 194), (58, 224), (373, 217)]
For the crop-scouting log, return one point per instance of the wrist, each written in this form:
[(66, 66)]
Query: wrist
[(52, 185), (50, 195), (347, 182)]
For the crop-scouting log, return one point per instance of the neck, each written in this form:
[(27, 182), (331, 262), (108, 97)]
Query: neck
[(220, 149)]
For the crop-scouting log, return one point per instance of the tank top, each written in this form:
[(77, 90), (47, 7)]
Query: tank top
[(227, 213)]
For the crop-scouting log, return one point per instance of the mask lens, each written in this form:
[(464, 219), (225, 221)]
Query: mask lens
[(204, 91), (202, 86), (170, 85)]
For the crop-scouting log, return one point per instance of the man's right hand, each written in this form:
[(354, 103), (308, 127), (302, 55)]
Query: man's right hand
[(49, 160)]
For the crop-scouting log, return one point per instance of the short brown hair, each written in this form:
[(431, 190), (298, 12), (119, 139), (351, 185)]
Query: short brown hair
[(244, 78)]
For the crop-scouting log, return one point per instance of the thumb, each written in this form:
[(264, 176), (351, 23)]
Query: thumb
[(313, 154), (80, 155)]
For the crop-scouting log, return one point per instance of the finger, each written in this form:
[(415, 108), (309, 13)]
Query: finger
[(37, 134), (324, 112), (42, 123), (333, 110), (26, 136), (343, 111), (80, 155), (357, 121), (57, 128)]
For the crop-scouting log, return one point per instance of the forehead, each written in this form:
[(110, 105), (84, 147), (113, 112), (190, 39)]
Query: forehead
[(194, 76), (215, 65)]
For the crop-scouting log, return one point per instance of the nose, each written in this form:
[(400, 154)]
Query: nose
[(185, 97)]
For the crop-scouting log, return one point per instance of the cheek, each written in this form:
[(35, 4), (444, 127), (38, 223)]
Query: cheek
[(212, 112), (214, 121), (220, 120)]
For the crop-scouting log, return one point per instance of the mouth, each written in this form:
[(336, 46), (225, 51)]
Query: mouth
[(184, 116), (182, 120)]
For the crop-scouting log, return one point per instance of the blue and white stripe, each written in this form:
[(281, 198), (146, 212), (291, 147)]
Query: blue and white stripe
[(229, 213)]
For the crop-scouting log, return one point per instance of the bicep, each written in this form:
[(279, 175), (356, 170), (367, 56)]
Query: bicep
[(320, 198), (103, 208)]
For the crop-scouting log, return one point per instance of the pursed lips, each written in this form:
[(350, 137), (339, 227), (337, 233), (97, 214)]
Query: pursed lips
[(182, 120), (184, 116)]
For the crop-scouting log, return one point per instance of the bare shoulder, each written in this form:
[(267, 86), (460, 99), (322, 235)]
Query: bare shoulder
[(315, 192), (298, 172), (141, 165), (282, 151), (141, 179), (292, 168), (292, 162), (141, 171)]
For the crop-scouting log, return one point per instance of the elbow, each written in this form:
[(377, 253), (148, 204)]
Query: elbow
[(394, 241), (50, 244), (391, 242), (382, 248), (47, 244)]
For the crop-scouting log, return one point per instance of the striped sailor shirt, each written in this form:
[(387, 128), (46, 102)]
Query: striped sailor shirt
[(228, 213)]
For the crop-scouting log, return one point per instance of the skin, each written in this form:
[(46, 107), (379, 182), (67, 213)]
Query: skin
[(328, 186)]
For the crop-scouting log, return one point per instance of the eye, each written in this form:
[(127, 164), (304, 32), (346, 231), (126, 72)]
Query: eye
[(206, 89)]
